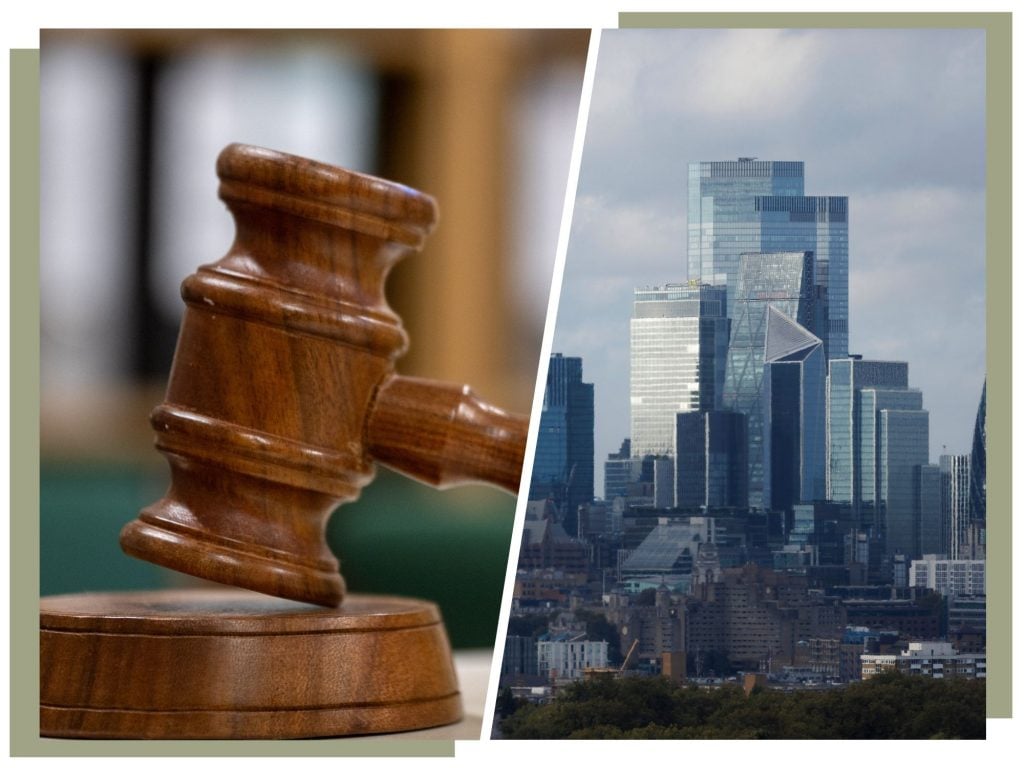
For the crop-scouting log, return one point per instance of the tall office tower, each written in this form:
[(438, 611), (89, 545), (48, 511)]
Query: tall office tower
[(711, 459), (752, 206), (794, 414), (928, 510), (784, 281), (872, 496), (902, 447), (678, 339), (846, 379), (620, 471), (979, 481), (563, 467), (956, 503)]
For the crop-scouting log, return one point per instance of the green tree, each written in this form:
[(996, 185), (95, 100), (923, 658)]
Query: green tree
[(506, 704), (886, 707)]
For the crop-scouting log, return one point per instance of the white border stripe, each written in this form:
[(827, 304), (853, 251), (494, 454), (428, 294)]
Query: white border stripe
[(538, 390)]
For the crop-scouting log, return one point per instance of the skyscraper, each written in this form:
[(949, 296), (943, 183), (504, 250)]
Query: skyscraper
[(563, 466), (902, 449), (784, 281), (758, 206), (678, 341), (877, 454), (845, 449), (794, 414), (620, 471), (928, 501), (956, 503), (711, 459), (874, 489), (979, 483)]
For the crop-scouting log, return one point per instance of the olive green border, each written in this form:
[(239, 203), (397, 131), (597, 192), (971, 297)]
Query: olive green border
[(24, 402), (24, 531), (998, 234)]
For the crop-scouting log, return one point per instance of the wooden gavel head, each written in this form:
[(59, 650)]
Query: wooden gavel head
[(282, 393)]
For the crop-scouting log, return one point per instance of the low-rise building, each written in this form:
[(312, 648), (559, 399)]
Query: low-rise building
[(951, 578), (657, 629), (918, 616), (547, 585), (756, 616), (931, 659), (566, 657), (546, 544)]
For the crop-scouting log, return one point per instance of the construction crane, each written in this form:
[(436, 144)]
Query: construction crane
[(608, 672), (629, 655)]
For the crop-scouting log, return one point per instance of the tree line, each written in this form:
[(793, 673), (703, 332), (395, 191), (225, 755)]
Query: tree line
[(890, 706)]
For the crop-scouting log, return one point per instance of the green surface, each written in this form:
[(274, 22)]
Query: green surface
[(450, 547), (398, 538), (82, 509)]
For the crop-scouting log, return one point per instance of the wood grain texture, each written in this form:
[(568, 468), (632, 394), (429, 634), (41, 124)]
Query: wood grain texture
[(282, 393), (231, 664), (444, 435)]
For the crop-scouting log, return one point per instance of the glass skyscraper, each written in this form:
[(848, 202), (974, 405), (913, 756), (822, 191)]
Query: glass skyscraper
[(678, 340), (563, 467), (759, 206), (878, 454), (845, 449), (931, 528), (902, 450), (784, 281), (885, 499), (956, 503), (794, 414), (979, 482), (711, 459)]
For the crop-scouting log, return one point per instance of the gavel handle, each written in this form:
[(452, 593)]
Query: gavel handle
[(443, 435)]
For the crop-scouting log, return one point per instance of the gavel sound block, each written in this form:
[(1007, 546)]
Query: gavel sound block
[(282, 397)]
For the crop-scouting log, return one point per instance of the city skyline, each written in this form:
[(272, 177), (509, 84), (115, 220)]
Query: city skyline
[(892, 119)]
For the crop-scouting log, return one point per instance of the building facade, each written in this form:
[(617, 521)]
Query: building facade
[(621, 471), (785, 282), (758, 617), (711, 459), (679, 335), (951, 578), (565, 658), (877, 454), (748, 206), (903, 446), (928, 509), (928, 659), (979, 480), (794, 414), (668, 552), (956, 503), (563, 467), (846, 378), (519, 659)]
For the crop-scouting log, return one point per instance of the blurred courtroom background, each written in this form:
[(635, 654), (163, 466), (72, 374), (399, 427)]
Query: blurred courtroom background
[(131, 124)]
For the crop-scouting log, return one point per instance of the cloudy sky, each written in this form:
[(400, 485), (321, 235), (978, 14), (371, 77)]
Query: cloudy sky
[(893, 119)]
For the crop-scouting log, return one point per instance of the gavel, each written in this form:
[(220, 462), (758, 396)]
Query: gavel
[(282, 398), (283, 393)]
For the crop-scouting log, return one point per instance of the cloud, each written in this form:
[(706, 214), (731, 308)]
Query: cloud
[(628, 238)]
